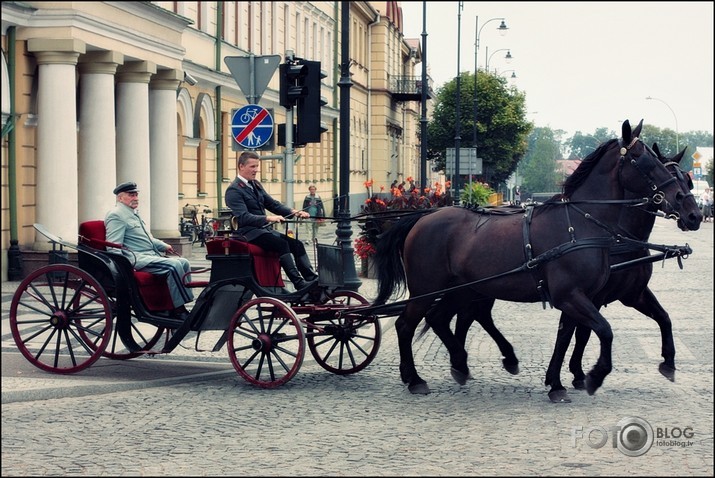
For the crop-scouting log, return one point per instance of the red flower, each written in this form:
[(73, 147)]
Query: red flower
[(363, 248)]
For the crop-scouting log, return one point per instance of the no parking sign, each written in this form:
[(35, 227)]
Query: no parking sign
[(252, 126)]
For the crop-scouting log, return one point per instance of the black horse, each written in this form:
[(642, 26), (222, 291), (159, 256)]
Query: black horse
[(629, 285), (559, 253)]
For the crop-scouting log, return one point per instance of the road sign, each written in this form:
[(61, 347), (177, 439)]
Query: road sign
[(696, 155), (468, 161), (251, 126), (252, 73)]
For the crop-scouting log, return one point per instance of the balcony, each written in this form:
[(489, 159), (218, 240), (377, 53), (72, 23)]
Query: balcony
[(409, 88)]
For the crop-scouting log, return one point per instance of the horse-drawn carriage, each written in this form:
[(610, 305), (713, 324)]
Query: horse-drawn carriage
[(64, 317)]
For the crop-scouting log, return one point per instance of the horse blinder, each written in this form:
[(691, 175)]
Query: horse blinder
[(645, 164)]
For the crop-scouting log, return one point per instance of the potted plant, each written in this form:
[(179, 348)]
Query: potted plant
[(380, 210)]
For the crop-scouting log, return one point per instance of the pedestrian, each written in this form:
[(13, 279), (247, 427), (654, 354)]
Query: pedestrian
[(517, 196), (124, 226), (706, 204), (313, 205), (249, 203)]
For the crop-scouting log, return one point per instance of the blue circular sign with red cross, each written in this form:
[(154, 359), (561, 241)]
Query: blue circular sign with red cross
[(252, 126)]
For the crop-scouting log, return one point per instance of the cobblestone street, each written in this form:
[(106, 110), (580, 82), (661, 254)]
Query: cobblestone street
[(189, 413)]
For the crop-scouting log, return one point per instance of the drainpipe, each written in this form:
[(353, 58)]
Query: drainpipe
[(218, 119), (14, 256)]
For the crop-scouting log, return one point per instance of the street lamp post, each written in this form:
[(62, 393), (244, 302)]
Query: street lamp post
[(344, 229), (513, 73), (458, 119), (507, 57), (677, 139), (423, 98), (477, 34)]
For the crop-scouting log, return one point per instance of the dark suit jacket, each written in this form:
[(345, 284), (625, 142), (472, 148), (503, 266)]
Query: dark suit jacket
[(250, 207)]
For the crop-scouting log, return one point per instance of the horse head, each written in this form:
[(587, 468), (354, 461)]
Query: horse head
[(690, 217), (642, 172)]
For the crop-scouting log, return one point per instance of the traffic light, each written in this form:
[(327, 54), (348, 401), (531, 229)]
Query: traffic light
[(292, 83), (281, 137), (309, 126)]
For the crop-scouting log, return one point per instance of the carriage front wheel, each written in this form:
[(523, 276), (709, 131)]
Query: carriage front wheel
[(61, 319), (266, 342), (344, 344)]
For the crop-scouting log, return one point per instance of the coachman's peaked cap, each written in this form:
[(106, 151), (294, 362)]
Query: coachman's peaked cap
[(128, 187)]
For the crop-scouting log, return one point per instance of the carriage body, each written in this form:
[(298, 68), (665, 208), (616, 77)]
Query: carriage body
[(65, 318)]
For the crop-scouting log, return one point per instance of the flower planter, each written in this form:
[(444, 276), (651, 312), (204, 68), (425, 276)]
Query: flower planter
[(367, 268)]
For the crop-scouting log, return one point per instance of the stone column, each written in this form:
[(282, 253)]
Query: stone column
[(97, 134), (133, 129), (163, 142), (56, 190)]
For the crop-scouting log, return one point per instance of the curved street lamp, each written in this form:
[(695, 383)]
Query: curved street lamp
[(513, 74), (677, 140), (507, 57), (458, 118), (502, 29)]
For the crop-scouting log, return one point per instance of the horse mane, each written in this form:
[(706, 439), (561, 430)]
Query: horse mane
[(587, 164)]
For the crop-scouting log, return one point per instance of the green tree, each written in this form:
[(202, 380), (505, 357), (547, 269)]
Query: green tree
[(581, 145), (539, 169), (501, 126)]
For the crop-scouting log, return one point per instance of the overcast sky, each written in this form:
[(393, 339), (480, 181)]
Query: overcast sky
[(583, 65)]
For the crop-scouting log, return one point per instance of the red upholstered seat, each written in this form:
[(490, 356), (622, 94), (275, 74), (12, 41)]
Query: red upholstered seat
[(152, 288), (266, 266)]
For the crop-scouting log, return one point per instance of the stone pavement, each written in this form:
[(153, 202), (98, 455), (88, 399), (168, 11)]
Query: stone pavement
[(190, 414)]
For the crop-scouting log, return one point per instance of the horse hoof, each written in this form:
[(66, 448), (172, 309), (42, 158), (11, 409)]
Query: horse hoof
[(419, 389), (559, 396), (512, 368), (592, 384), (579, 384), (460, 377), (667, 371)]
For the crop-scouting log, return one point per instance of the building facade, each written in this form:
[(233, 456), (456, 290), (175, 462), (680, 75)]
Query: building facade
[(96, 93)]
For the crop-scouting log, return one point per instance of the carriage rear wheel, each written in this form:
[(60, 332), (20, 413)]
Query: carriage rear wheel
[(345, 344), (61, 319), (266, 342)]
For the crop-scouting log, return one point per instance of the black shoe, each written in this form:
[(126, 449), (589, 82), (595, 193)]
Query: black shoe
[(305, 284)]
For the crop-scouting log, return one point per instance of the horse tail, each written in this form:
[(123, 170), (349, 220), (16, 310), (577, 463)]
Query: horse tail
[(388, 257)]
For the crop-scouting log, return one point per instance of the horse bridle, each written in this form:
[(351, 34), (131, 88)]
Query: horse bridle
[(658, 196)]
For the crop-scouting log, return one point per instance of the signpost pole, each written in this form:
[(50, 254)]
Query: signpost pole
[(289, 151), (288, 162), (251, 96)]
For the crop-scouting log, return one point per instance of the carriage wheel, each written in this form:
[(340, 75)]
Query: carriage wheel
[(348, 344), (145, 335), (266, 342), (54, 312)]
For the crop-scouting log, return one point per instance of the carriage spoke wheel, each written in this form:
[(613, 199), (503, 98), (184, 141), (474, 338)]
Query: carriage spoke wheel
[(348, 344), (61, 319), (266, 342), (145, 335)]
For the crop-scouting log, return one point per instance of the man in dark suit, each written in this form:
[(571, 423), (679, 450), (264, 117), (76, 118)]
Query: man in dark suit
[(249, 202)]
